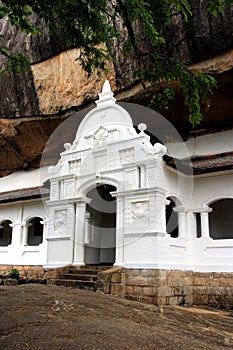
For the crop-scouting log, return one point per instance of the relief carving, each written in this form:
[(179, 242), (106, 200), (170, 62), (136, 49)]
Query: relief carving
[(60, 220), (54, 191), (139, 212), (127, 155), (101, 136), (68, 188), (74, 166)]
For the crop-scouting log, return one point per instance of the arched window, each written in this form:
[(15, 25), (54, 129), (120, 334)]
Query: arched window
[(35, 231), (221, 219), (171, 219), (5, 233)]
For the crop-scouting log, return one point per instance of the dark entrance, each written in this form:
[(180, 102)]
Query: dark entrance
[(100, 243)]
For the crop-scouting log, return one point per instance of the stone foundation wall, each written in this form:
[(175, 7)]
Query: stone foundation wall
[(112, 281), (161, 287), (214, 289), (25, 271), (174, 287)]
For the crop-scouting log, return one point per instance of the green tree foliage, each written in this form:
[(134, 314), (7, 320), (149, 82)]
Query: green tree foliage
[(88, 24)]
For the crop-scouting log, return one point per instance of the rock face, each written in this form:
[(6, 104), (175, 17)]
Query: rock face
[(34, 103), (203, 37), (18, 95), (61, 83)]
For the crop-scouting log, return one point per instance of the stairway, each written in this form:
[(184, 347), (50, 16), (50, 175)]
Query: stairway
[(85, 277)]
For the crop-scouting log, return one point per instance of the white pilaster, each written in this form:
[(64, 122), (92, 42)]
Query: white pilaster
[(119, 260), (79, 234)]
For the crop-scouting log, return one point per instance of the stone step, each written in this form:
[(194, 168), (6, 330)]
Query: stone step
[(91, 285), (79, 276), (82, 272), (83, 277), (95, 267)]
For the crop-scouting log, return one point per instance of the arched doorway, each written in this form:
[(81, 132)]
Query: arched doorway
[(221, 219), (171, 219), (100, 240), (35, 231), (5, 233)]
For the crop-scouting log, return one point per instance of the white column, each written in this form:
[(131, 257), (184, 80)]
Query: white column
[(119, 260), (16, 233), (45, 229), (181, 224), (181, 221), (205, 230), (142, 176), (79, 234), (160, 212), (15, 249), (88, 233), (25, 234), (191, 225), (43, 245)]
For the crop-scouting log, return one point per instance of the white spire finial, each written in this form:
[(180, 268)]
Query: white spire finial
[(142, 127), (106, 96), (106, 86)]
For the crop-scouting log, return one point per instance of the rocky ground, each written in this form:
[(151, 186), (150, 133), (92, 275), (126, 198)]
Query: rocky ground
[(51, 317)]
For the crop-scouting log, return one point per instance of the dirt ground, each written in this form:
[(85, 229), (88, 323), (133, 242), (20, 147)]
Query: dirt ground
[(45, 317)]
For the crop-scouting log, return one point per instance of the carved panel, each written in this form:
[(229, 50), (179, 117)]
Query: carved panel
[(127, 155), (127, 213), (150, 174), (54, 191), (68, 188), (74, 166), (60, 220), (153, 210), (101, 136), (140, 212), (131, 178)]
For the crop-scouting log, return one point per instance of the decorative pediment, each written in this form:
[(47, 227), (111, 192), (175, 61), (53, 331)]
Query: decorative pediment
[(106, 121), (101, 136)]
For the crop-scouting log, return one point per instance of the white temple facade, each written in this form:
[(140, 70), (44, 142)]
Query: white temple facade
[(115, 199)]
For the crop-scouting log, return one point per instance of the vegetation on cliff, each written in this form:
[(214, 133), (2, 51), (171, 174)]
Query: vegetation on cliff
[(139, 25)]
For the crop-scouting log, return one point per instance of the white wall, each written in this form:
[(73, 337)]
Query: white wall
[(23, 179), (206, 144), (18, 252), (211, 187)]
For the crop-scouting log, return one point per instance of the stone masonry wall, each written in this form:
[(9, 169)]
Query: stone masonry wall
[(25, 271), (214, 289), (161, 287), (142, 285), (174, 287), (112, 281)]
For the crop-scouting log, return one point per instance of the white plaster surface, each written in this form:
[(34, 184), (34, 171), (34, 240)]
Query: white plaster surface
[(24, 179), (108, 151), (214, 143)]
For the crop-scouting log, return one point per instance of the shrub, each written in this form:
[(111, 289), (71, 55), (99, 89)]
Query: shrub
[(13, 273)]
